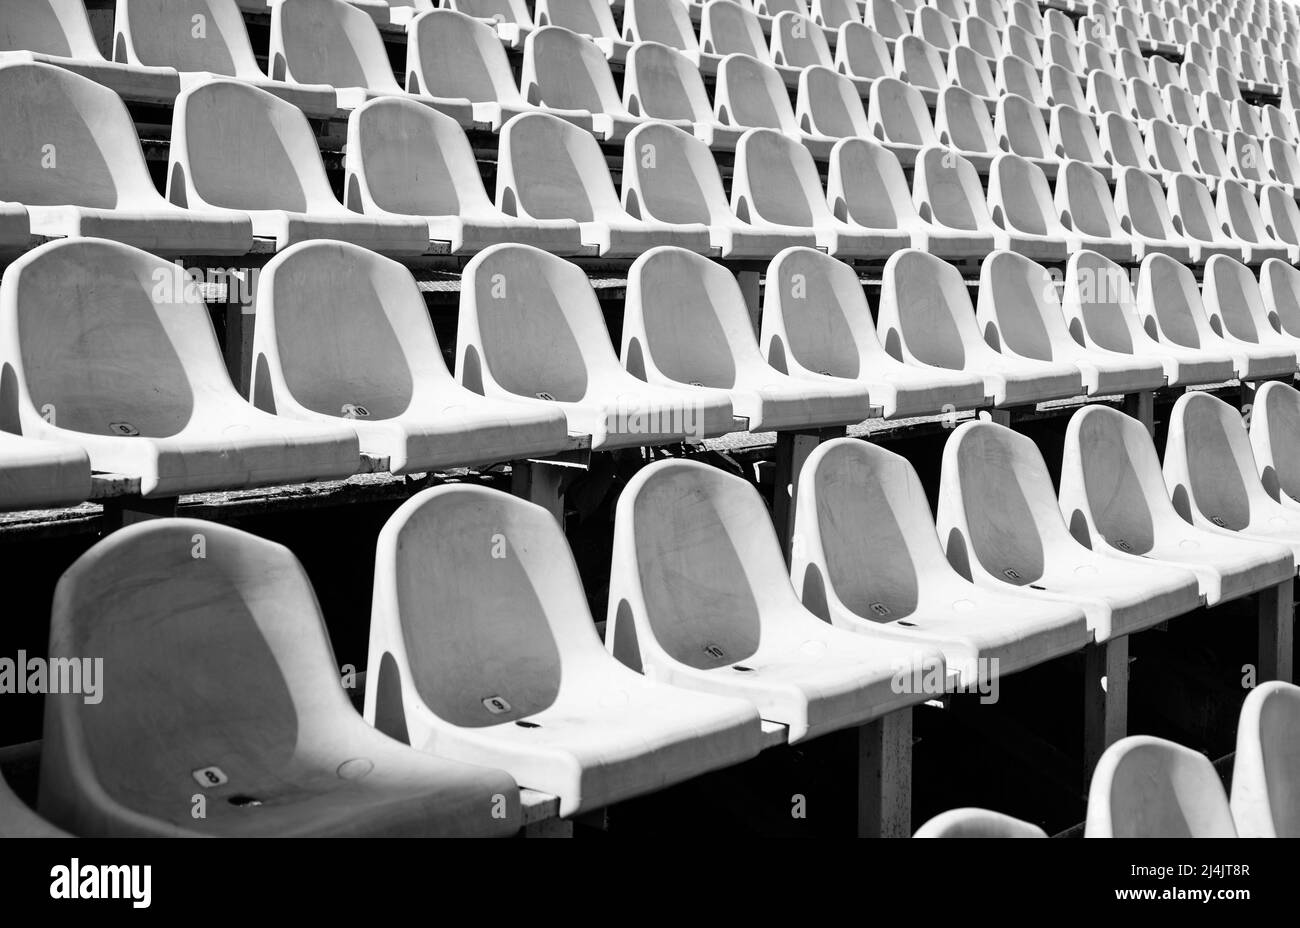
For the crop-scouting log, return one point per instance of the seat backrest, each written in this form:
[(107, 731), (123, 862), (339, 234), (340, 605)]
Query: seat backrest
[(927, 300), (1141, 205), (1192, 210), (835, 13), (1280, 288), (1208, 462), (947, 189), (515, 299), (1208, 153), (1233, 299), (897, 113), (235, 636), (660, 81), (188, 35), (701, 544), (502, 11), (1280, 214), (566, 71), (917, 62), (328, 42), (1099, 299), (140, 357), (408, 158), (969, 69), (780, 181), (962, 122), (1017, 300), (67, 140), (477, 621), (246, 149), (659, 21), (349, 328), (799, 42), (866, 185), (1019, 197), (1147, 787), (729, 28), (555, 170), (669, 175), (1238, 209), (887, 18), (860, 51), (1018, 126), (1124, 143), (454, 55), (751, 94), (828, 104), (1265, 800), (933, 26), (1063, 88), (981, 36), (1017, 76), (1019, 42), (692, 313), (977, 823), (1167, 292), (48, 27), (1083, 201), (816, 315), (585, 17), (1167, 146)]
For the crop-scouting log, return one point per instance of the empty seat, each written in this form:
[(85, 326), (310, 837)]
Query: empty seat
[(862, 54), (1018, 42), (1020, 315), (1173, 311), (925, 317), (1239, 212), (817, 323), (932, 25), (255, 714), (981, 37), (869, 561), (699, 597), (1194, 216), (1063, 89), (898, 117), (451, 55), (798, 42), (1114, 499), (70, 155), (1208, 156), (510, 18), (977, 823), (917, 63), (670, 176), (828, 105), (887, 18), (1211, 474), (730, 28), (343, 337), (550, 169), (36, 474), (57, 32), (1168, 150), (1074, 137), (663, 84), (999, 518), (1274, 422), (750, 95), (1106, 95), (685, 324), (1087, 212), (1016, 76), (1020, 203), (135, 377), (1019, 128), (668, 24), (1124, 147), (1283, 162), (947, 192), (1247, 161), (1266, 769), (406, 159), (832, 14), (493, 658), (1215, 113), (201, 37), (1102, 311), (1147, 787), (1280, 287), (1246, 119), (970, 70), (563, 70), (237, 151), (962, 123), (515, 298), (776, 181), (333, 42), (590, 18), (1144, 214), (1235, 304)]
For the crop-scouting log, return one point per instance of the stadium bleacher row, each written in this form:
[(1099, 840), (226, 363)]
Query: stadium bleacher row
[(1067, 202)]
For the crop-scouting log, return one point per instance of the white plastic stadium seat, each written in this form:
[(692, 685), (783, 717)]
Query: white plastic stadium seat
[(1147, 787), (977, 823), (1266, 769)]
